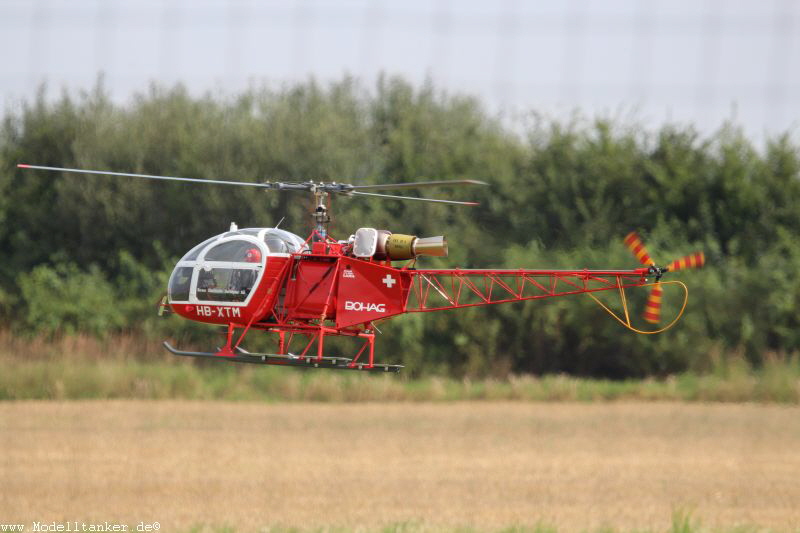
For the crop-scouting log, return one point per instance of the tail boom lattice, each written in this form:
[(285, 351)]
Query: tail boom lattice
[(436, 290)]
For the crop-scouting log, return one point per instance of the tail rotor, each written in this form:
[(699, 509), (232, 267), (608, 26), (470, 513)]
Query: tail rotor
[(695, 260), (636, 246), (652, 311)]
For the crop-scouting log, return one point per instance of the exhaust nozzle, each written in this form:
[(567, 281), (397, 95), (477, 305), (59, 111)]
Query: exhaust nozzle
[(435, 246)]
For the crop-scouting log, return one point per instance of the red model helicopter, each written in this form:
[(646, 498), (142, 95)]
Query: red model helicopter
[(272, 280)]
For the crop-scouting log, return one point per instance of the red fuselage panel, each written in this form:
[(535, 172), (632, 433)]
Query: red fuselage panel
[(309, 288), (369, 291)]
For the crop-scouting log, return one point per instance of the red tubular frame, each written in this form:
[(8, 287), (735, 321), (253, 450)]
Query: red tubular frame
[(459, 288), (429, 290), (456, 288)]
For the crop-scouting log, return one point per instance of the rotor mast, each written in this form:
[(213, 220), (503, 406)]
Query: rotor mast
[(320, 215)]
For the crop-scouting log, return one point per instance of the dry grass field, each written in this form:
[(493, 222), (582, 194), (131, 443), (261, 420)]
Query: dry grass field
[(437, 466)]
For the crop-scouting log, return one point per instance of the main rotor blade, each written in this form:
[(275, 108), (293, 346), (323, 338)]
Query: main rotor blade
[(418, 184), (306, 186), (147, 176), (412, 198)]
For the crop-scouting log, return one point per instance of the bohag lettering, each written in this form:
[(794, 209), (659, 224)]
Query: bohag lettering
[(364, 306)]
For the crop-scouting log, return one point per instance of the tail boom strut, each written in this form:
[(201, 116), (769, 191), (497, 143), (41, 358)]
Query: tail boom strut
[(436, 290)]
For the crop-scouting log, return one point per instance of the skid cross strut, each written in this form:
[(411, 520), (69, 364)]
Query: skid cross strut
[(299, 361)]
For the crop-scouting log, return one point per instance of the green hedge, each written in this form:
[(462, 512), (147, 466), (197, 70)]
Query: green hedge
[(89, 253)]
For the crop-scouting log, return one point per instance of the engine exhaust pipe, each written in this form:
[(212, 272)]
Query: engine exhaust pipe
[(399, 247), (383, 244), (435, 246)]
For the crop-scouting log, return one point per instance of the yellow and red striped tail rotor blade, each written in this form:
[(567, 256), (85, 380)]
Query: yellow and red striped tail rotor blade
[(635, 245), (652, 309), (695, 260)]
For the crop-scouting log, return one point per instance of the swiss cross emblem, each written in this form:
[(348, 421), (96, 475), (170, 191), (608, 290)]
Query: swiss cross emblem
[(389, 280)]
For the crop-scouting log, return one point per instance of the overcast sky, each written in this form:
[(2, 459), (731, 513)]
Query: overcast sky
[(686, 61)]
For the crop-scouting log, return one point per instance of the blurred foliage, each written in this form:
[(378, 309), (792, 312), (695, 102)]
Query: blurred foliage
[(91, 253), (63, 298), (126, 365)]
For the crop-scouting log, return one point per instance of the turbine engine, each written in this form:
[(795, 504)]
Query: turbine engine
[(383, 244)]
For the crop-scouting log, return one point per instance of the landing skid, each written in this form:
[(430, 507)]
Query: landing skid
[(306, 361)]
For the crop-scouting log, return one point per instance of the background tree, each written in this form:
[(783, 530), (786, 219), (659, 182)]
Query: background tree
[(90, 253)]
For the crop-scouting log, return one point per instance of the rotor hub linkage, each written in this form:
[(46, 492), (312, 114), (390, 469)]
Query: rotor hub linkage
[(654, 271), (341, 188)]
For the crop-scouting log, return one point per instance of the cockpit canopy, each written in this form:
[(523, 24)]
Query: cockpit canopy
[(227, 267), (277, 241)]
